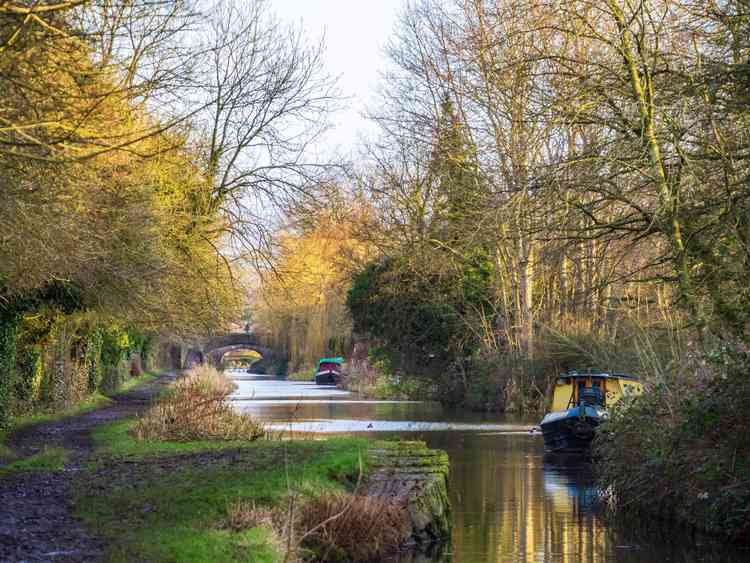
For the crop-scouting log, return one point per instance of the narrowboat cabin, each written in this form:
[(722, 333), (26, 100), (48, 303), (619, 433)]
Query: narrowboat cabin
[(329, 371), (580, 404)]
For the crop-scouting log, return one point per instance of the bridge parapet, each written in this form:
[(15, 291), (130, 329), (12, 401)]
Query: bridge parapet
[(232, 339), (212, 349)]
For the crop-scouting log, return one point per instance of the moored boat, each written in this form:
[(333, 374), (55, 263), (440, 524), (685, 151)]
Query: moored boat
[(580, 404), (329, 371)]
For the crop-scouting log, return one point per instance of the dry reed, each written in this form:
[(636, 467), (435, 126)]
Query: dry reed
[(196, 408), (337, 526), (361, 528), (243, 515)]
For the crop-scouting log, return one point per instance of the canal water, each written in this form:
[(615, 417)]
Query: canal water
[(511, 502)]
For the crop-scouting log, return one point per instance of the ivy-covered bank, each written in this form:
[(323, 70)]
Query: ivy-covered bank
[(55, 354)]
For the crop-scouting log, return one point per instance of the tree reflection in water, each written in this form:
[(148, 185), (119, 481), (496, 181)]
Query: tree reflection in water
[(511, 503)]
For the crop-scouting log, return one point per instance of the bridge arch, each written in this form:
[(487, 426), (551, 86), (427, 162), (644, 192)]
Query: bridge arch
[(213, 349)]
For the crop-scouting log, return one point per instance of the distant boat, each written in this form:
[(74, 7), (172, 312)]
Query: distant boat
[(329, 371), (580, 404)]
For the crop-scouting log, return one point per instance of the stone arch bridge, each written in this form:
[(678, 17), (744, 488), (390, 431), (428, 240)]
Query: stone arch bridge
[(213, 349)]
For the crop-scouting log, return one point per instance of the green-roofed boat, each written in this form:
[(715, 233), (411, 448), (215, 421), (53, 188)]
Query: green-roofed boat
[(329, 371)]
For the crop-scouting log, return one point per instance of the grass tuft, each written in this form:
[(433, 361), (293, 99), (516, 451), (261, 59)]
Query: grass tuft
[(243, 515), (196, 407), (352, 527)]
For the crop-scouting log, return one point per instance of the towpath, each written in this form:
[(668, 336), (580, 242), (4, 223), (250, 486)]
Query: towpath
[(36, 521)]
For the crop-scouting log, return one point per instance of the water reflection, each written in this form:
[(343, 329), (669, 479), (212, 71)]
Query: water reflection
[(571, 480), (511, 503), (512, 506)]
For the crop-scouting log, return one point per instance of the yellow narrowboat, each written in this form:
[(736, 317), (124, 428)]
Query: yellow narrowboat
[(580, 404)]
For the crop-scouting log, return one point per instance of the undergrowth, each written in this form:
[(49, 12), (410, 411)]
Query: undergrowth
[(196, 407), (331, 527), (375, 377), (348, 527), (682, 450)]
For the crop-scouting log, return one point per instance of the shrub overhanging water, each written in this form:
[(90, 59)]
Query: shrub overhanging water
[(682, 450)]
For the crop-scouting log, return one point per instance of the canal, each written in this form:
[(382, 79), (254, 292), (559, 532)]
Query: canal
[(511, 503)]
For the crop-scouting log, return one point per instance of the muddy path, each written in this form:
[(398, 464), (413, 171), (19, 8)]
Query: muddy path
[(36, 512)]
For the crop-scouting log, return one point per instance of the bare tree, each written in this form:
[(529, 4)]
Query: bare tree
[(265, 98)]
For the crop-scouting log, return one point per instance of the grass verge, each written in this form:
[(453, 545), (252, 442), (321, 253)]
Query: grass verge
[(173, 507), (49, 459), (115, 440), (134, 382), (6, 454), (91, 403)]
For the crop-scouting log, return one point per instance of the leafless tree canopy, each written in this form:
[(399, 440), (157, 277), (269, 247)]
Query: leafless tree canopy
[(609, 144)]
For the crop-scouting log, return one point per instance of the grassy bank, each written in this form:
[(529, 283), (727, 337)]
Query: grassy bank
[(169, 501), (190, 479), (165, 486)]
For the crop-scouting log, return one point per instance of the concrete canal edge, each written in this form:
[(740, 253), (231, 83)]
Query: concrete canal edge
[(411, 474)]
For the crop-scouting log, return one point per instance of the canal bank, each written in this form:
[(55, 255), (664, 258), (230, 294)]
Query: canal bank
[(510, 502), (111, 496)]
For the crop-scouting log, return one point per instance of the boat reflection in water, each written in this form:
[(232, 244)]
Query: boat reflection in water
[(512, 503), (571, 489), (570, 483)]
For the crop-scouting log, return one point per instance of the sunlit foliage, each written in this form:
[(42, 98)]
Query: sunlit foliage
[(300, 303)]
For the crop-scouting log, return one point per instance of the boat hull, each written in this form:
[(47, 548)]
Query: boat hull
[(572, 430), (326, 377)]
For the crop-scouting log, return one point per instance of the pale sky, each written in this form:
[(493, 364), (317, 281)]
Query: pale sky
[(355, 33)]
